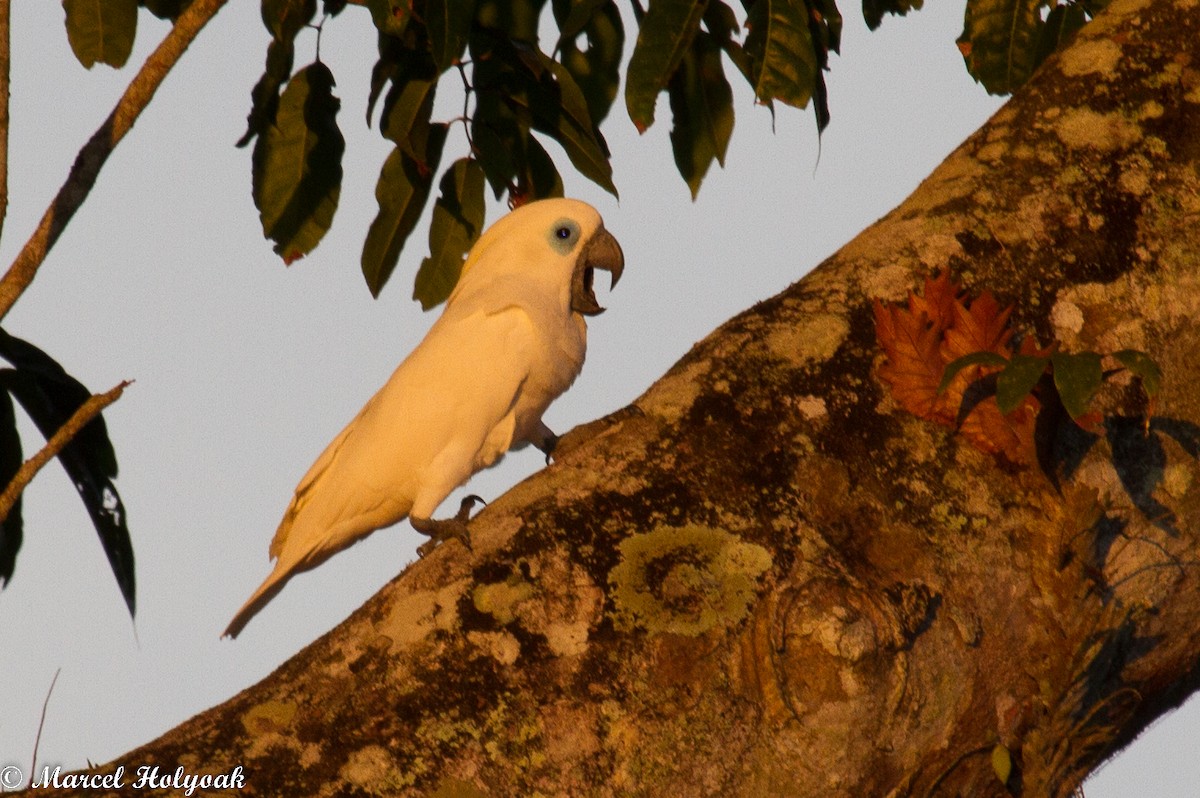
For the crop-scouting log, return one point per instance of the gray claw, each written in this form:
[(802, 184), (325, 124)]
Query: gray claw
[(439, 530)]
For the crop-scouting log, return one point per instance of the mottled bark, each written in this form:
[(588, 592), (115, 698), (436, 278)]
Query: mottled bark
[(765, 579)]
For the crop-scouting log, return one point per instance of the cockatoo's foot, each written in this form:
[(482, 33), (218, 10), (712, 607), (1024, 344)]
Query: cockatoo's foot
[(547, 444), (446, 528)]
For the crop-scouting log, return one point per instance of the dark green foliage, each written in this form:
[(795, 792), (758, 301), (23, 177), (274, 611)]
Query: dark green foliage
[(520, 91), (873, 10), (298, 164), (1004, 41), (50, 396), (101, 31), (457, 222)]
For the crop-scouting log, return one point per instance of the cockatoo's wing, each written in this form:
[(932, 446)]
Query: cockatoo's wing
[(446, 412)]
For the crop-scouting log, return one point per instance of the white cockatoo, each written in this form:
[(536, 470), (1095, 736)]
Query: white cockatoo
[(511, 338)]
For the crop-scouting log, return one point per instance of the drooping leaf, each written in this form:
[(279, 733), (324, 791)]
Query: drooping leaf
[(825, 30), (514, 19), (596, 69), (555, 106), (166, 9), (665, 34), (1077, 377), (999, 42), (447, 22), (407, 111), (386, 68), (50, 396), (298, 164), (701, 110), (264, 97), (12, 527), (873, 10), (721, 24), (402, 191), (1143, 366), (390, 16), (286, 18), (1017, 380), (783, 62), (458, 215), (101, 31), (541, 178), (1061, 24)]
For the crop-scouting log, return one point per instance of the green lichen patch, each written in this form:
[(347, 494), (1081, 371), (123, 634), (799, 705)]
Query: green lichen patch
[(685, 580), (269, 716), (500, 599)]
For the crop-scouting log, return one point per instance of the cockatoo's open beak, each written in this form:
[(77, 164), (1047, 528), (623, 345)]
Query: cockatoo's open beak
[(601, 252)]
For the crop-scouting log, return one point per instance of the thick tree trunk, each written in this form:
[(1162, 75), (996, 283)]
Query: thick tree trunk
[(764, 578)]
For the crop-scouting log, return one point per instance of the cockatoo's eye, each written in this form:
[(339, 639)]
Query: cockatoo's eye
[(564, 235)]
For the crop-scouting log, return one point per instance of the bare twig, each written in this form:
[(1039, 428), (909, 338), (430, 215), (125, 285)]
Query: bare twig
[(78, 420), (37, 741), (93, 155), (5, 60)]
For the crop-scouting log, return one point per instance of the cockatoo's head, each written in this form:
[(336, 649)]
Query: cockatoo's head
[(556, 243)]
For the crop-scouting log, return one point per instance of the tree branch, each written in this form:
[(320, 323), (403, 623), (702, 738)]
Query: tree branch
[(93, 155), (78, 420), (5, 63)]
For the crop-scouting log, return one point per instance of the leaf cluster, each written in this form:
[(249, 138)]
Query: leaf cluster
[(517, 96), (951, 359), (50, 396), (1004, 41)]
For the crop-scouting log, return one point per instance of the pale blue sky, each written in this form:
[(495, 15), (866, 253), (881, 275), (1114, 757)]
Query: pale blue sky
[(246, 369)]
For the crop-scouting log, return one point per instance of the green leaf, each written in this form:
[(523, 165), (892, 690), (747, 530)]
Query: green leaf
[(541, 176), (1002, 763), (973, 359), (406, 114), (873, 10), (721, 24), (783, 62), (165, 9), (1143, 366), (1017, 379), (12, 527), (448, 22), (298, 164), (101, 31), (597, 70), (555, 106), (264, 97), (286, 18), (664, 38), (702, 111), (1061, 24), (402, 191), (1077, 378), (50, 396), (390, 16), (999, 42), (457, 222)]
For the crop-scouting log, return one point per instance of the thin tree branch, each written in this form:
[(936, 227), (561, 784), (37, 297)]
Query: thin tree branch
[(5, 61), (93, 155), (78, 420)]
